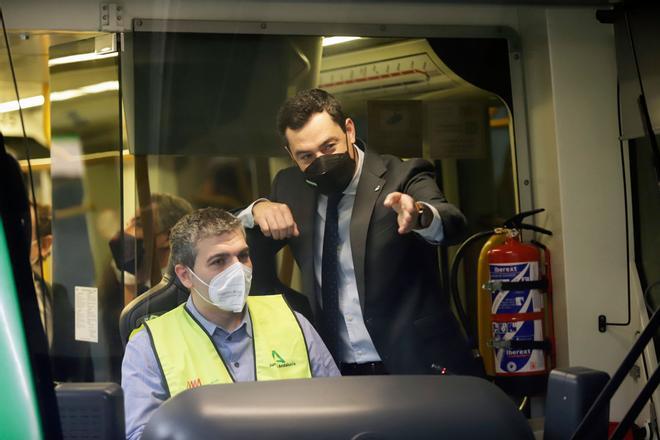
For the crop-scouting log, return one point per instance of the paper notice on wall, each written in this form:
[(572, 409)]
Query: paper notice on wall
[(66, 157), (87, 314), (456, 129), (395, 127)]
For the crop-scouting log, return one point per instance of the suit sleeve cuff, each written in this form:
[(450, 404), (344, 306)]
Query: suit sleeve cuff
[(246, 217)]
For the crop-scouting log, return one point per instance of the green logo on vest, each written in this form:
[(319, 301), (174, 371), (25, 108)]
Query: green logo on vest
[(277, 358), (279, 361)]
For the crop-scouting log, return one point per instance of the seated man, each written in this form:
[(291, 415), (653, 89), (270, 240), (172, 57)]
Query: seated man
[(213, 337)]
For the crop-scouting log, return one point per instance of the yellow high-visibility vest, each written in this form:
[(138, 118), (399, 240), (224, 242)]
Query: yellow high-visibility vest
[(188, 359)]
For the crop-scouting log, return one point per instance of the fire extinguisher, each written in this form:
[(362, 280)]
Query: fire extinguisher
[(518, 308), (515, 329)]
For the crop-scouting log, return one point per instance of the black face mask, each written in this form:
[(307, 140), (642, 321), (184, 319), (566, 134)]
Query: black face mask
[(331, 173), (133, 252)]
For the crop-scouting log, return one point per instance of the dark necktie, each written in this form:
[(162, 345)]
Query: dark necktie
[(330, 275)]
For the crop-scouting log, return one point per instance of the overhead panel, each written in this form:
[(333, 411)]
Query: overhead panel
[(409, 66)]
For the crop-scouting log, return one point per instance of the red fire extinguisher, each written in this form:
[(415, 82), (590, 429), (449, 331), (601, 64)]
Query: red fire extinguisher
[(518, 312), (515, 323)]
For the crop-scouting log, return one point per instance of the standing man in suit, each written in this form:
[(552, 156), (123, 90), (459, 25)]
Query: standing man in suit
[(363, 229)]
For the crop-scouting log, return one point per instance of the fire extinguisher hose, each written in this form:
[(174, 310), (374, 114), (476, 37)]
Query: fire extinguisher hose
[(455, 294)]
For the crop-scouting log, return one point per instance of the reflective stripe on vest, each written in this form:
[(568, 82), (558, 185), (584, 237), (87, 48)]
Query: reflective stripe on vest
[(188, 358)]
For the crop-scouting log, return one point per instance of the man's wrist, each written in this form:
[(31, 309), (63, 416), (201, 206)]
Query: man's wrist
[(246, 216), (256, 202), (424, 216)]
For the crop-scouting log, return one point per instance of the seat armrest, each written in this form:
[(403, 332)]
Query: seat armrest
[(571, 392)]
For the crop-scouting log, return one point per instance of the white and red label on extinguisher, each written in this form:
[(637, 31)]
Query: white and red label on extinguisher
[(517, 316)]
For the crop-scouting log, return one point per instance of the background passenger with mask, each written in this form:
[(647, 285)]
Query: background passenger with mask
[(167, 209), (362, 227), (213, 337)]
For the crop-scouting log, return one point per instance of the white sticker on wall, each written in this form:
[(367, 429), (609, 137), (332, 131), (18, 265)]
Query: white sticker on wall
[(87, 314)]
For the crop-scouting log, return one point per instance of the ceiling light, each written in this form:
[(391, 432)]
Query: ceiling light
[(331, 41), (64, 95), (80, 58), (106, 86), (12, 106)]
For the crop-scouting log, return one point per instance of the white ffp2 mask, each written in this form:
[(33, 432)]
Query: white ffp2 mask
[(229, 289)]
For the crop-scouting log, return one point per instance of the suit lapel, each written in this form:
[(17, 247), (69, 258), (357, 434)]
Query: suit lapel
[(369, 187)]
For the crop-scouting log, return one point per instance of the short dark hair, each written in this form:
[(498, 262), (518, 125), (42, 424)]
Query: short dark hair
[(297, 110), (169, 209), (196, 226)]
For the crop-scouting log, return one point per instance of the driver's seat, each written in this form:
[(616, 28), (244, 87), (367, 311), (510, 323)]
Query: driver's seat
[(161, 298)]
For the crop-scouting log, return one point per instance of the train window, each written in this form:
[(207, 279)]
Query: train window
[(200, 99)]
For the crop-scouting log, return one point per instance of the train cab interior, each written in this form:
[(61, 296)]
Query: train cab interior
[(540, 121)]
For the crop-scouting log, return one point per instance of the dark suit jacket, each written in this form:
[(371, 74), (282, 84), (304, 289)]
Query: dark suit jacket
[(405, 312)]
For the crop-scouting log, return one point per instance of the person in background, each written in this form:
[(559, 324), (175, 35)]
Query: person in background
[(166, 210), (40, 248), (363, 227), (219, 335), (69, 358)]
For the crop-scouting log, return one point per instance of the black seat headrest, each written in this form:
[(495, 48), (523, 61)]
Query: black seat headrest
[(161, 298)]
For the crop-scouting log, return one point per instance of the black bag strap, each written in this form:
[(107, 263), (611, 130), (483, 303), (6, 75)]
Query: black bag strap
[(497, 286), (522, 345)]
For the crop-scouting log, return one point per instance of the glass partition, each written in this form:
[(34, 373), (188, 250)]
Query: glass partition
[(85, 162), (201, 109)]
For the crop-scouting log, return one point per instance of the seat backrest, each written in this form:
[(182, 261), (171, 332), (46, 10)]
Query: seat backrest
[(390, 407), (161, 298), (91, 410)]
